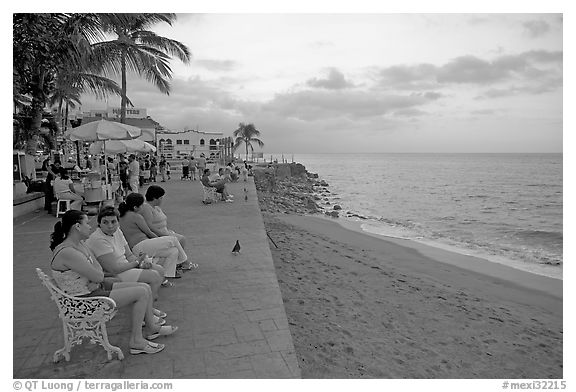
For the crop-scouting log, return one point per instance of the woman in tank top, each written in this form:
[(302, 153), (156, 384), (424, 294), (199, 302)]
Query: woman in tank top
[(78, 273)]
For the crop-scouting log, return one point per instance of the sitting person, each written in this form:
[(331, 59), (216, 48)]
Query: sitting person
[(218, 184), (230, 172), (64, 189), (109, 245), (157, 221), (143, 240), (77, 273)]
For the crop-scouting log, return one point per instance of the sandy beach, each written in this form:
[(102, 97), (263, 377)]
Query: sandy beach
[(364, 307), (360, 307)]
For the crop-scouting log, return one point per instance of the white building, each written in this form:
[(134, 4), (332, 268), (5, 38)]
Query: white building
[(176, 145)]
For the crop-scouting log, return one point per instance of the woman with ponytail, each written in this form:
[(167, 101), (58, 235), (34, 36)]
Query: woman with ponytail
[(77, 272), (143, 240)]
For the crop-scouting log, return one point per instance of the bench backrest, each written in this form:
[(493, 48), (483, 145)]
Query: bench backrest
[(78, 308)]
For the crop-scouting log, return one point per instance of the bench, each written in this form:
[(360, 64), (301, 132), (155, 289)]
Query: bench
[(26, 203), (82, 318), (210, 195)]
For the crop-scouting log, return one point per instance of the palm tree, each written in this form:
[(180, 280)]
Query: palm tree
[(139, 50), (43, 44), (247, 133)]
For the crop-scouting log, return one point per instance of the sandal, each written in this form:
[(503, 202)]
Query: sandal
[(167, 283), (151, 348), (157, 320), (159, 313), (188, 266), (163, 331)]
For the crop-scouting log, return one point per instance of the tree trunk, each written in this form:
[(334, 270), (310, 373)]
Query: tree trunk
[(38, 102), (123, 101)]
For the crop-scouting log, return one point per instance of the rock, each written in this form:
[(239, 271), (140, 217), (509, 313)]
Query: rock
[(333, 214), (337, 207)]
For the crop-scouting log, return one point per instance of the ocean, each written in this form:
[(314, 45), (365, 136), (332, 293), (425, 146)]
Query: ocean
[(505, 208)]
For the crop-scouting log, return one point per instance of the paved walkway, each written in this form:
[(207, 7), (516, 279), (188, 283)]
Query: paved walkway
[(230, 311)]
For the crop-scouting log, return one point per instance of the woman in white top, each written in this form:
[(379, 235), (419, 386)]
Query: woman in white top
[(77, 272), (64, 189), (109, 245)]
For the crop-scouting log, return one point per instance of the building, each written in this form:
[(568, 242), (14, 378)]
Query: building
[(176, 145)]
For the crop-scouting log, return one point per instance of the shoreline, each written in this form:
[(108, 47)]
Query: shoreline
[(478, 264), (361, 305)]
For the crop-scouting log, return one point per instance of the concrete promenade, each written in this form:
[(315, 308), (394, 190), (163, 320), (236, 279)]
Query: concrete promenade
[(231, 318)]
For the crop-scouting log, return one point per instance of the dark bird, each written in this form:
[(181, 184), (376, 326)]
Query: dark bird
[(245, 189), (236, 248), (246, 197)]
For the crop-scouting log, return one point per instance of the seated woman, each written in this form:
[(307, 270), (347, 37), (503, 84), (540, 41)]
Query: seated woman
[(219, 185), (64, 189), (143, 240), (109, 245), (157, 221), (77, 272)]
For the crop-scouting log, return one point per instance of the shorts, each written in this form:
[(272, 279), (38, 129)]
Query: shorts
[(103, 291), (131, 275)]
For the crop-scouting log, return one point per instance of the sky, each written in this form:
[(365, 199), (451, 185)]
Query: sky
[(365, 82)]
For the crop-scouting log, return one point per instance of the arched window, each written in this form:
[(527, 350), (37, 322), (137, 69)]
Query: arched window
[(202, 142), (168, 141), (213, 144)]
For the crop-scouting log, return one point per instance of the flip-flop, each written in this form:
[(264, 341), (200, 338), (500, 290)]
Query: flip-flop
[(189, 267), (167, 283), (159, 313), (151, 348), (157, 320), (166, 330)]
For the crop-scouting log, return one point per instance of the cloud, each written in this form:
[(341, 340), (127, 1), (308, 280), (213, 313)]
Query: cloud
[(314, 105), (536, 28), (217, 65), (409, 113), (334, 81), (471, 70)]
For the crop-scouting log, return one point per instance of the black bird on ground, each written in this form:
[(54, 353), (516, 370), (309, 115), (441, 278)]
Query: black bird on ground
[(246, 197), (236, 248)]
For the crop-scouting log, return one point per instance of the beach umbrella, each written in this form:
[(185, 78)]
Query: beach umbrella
[(121, 146), (103, 130)]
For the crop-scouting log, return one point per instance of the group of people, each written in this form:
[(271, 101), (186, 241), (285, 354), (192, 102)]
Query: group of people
[(130, 255)]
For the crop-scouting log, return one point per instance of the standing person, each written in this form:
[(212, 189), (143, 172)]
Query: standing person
[(168, 169), (54, 170), (192, 168), (133, 173), (185, 169), (153, 169), (123, 168), (162, 167), (201, 164)]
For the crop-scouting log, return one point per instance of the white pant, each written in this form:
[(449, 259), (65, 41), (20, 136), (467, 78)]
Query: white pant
[(164, 247), (134, 182)]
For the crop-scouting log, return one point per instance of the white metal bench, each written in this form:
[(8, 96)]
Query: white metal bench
[(210, 195), (82, 318)]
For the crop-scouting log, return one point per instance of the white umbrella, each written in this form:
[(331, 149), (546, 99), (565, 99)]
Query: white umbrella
[(121, 146), (103, 130)]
